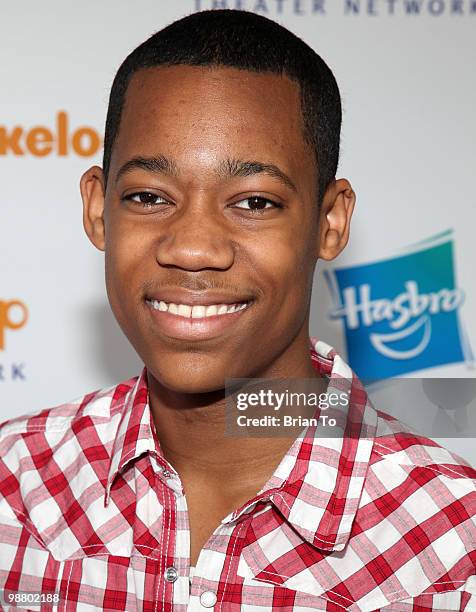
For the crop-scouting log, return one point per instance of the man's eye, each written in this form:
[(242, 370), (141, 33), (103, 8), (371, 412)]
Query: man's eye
[(257, 204), (145, 199)]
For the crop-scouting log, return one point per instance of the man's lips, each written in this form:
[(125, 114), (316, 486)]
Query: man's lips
[(199, 327), (188, 315), (197, 298), (197, 311)]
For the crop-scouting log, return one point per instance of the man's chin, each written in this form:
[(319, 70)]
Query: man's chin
[(186, 385), (188, 377)]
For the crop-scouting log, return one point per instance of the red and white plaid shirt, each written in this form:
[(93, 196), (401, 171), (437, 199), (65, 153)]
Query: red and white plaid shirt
[(91, 510)]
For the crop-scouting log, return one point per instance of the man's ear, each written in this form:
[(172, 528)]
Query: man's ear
[(334, 218), (93, 193)]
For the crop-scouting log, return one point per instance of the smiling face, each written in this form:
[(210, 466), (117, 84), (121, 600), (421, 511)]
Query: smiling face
[(211, 199)]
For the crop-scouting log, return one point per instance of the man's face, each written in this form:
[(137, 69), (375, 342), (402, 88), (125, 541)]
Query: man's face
[(205, 217)]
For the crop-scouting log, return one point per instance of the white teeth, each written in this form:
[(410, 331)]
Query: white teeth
[(235, 307), (196, 312), (184, 310), (159, 305), (211, 310)]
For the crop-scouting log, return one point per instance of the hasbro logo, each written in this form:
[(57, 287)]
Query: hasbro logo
[(401, 314)]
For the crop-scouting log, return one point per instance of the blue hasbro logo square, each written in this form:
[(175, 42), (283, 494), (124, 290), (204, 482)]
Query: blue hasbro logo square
[(401, 314)]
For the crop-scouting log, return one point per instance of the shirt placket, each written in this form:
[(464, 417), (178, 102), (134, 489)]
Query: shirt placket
[(215, 580), (215, 569), (175, 542), (163, 565), (216, 564)]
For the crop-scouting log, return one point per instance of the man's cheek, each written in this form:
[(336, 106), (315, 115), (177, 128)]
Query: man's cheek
[(284, 266), (271, 256)]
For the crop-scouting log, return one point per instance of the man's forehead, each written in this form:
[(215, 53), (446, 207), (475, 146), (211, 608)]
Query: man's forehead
[(162, 101), (219, 112), (210, 91)]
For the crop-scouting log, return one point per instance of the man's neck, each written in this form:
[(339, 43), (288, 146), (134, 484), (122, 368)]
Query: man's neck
[(191, 431)]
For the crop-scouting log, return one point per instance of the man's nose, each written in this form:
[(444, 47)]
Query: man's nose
[(196, 237)]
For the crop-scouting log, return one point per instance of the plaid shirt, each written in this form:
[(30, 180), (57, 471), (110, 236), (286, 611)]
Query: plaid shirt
[(91, 510)]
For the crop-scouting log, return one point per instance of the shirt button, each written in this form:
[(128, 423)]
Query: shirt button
[(171, 574), (165, 473), (208, 599)]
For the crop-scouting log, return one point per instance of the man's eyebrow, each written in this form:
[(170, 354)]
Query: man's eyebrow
[(238, 167), (157, 165), (228, 168)]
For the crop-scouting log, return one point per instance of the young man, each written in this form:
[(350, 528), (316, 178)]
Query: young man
[(216, 198)]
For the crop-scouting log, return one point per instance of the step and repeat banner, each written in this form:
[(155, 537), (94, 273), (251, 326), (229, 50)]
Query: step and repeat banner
[(398, 304)]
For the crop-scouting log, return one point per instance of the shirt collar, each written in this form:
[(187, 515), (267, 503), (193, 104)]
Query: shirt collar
[(317, 485), (135, 433), (321, 495)]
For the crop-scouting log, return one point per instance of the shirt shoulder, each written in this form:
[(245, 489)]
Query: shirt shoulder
[(420, 496), (396, 444), (54, 444), (97, 405)]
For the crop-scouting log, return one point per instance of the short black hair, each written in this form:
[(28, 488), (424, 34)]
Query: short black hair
[(243, 40)]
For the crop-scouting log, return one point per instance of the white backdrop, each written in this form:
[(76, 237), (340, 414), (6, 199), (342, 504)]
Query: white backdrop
[(404, 68)]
